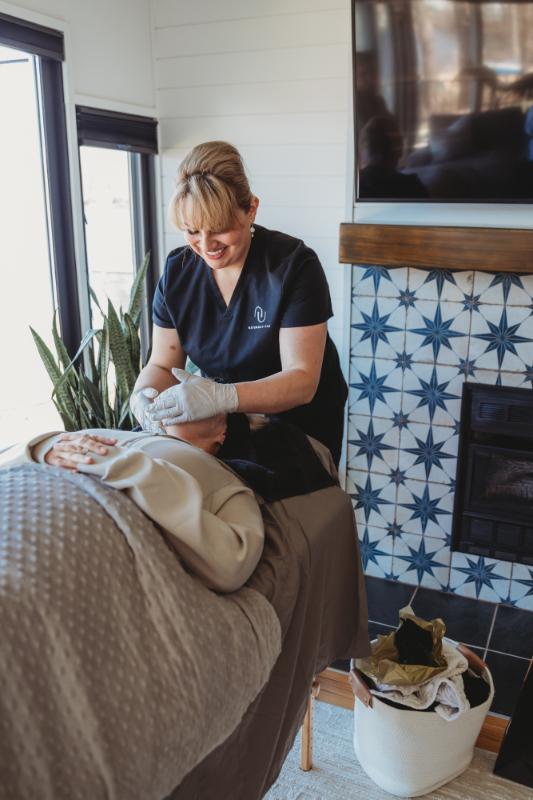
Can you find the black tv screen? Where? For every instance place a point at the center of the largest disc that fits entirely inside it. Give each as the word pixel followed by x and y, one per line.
pixel 443 93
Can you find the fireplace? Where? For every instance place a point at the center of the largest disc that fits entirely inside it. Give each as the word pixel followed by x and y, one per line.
pixel 493 511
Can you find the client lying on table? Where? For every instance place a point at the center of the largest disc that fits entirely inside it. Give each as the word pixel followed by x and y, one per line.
pixel 210 517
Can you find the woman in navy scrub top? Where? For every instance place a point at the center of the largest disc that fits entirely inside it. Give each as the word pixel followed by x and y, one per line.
pixel 249 306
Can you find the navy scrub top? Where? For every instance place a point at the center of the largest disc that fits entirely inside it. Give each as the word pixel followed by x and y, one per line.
pixel 281 285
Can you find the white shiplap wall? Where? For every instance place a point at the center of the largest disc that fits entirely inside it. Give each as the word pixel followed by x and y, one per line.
pixel 273 78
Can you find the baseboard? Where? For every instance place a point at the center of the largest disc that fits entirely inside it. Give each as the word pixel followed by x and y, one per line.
pixel 335 689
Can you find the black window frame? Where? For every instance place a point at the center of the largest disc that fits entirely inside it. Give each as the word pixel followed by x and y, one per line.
pixel 136 135
pixel 47 44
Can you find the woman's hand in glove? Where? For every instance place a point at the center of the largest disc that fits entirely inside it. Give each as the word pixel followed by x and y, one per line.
pixel 193 398
pixel 140 403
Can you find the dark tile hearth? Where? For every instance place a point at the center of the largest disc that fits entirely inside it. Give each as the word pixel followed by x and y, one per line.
pixel 469 621
pixel 500 634
pixel 385 598
pixel 376 629
pixel 513 632
pixel 508 673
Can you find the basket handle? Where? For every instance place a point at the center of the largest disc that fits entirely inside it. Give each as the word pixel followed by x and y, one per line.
pixel 474 661
pixel 359 688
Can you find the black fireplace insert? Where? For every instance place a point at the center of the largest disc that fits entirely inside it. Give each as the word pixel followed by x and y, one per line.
pixel 493 510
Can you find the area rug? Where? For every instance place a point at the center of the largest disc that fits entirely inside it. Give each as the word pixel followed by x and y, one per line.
pixel 336 774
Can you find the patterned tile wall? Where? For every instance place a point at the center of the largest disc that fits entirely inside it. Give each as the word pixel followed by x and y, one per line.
pixel 416 336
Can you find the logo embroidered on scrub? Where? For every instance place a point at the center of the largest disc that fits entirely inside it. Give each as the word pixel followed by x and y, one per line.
pixel 260 316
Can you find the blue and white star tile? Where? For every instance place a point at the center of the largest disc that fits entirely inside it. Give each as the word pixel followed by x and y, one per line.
pixel 373 444
pixel 503 288
pixel 373 498
pixel 527 285
pixel 521 589
pixel 394 530
pixel 432 394
pixel 466 368
pixel 429 452
pixel 501 338
pixel 377 327
pixel 425 508
pixel 528 374
pixel 376 551
pixel 437 332
pixel 421 560
pixel 471 302
pixel 440 284
pixel 378 281
pixel 480 577
pixel 407 298
pixel 375 387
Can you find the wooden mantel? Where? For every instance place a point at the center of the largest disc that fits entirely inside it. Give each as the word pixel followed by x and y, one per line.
pixel 437 247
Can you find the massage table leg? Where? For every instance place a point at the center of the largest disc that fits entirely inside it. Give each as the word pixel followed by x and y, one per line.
pixel 306 749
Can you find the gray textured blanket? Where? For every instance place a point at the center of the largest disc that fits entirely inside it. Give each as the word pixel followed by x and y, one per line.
pixel 119 672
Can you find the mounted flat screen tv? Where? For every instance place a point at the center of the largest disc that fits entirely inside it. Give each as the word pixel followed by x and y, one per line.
pixel 443 93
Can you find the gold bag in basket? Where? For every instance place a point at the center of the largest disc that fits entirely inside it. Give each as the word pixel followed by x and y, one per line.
pixel 383 665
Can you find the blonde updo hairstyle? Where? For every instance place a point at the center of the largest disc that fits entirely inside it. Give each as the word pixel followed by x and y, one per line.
pixel 211 186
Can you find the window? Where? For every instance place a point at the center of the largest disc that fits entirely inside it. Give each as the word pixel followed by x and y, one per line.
pixel 108 225
pixel 35 216
pixel 117 172
pixel 39 269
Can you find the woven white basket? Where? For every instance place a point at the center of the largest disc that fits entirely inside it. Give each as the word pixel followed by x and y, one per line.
pixel 409 753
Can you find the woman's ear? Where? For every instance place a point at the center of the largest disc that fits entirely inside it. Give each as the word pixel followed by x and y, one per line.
pixel 254 205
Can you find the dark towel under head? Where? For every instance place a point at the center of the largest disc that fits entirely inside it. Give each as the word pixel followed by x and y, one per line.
pixel 277 460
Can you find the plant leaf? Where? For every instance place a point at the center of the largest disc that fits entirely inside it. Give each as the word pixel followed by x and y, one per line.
pixel 95 299
pixel 104 358
pixel 134 342
pixel 66 405
pixel 93 401
pixel 125 414
pixel 46 357
pixel 62 353
pixel 124 374
pixel 137 290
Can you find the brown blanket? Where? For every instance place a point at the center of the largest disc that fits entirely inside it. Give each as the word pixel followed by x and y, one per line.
pixel 311 573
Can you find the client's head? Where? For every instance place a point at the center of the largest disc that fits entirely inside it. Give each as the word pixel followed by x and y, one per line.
pixel 207 434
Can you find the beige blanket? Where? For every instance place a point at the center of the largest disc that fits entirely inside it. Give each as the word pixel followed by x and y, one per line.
pixel 113 659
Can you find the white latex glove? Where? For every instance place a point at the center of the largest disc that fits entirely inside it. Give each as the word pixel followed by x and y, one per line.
pixel 193 398
pixel 140 402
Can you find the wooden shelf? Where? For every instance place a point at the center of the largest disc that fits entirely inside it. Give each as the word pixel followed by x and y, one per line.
pixel 437 247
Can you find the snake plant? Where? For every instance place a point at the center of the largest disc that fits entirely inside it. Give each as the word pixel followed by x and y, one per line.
pixel 94 391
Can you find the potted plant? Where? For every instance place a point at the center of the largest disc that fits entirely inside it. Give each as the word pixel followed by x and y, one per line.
pixel 92 390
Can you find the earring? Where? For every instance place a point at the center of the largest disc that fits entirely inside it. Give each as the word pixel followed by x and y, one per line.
pixel 252 231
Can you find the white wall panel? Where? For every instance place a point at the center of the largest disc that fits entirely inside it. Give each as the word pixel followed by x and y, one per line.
pixel 295 128
pixel 296 63
pixel 269 97
pixel 183 12
pixel 265 33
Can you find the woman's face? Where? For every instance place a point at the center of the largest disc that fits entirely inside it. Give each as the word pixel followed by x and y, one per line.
pixel 207 434
pixel 227 248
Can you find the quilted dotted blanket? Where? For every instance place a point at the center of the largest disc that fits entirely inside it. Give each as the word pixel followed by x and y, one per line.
pixel 119 671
